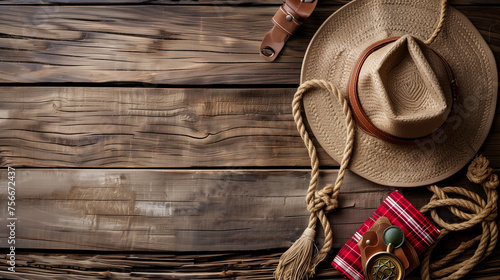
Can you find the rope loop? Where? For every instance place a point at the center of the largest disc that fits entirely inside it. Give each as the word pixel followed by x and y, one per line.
pixel 321 201
pixel 326 198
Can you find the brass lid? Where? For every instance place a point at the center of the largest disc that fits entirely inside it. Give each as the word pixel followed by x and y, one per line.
pixel 384 266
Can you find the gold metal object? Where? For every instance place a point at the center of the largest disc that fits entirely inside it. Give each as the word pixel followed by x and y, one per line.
pixel 384 266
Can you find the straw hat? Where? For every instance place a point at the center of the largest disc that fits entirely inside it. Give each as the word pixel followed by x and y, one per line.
pixel 422 109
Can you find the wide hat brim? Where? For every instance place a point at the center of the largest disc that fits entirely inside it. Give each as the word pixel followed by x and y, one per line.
pixel 332 54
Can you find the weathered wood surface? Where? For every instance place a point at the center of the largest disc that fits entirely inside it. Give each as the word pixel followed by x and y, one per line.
pixel 145 127
pixel 140 127
pixel 228 265
pixel 115 211
pixel 176 45
pixel 129 217
pixel 250 265
pixel 148 210
pixel 205 2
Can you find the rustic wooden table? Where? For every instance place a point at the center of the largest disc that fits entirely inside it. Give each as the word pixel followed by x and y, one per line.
pixel 150 140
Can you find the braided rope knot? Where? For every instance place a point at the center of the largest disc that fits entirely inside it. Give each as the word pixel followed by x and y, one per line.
pixel 323 200
pixel 479 170
pixel 492 182
pixel 491 216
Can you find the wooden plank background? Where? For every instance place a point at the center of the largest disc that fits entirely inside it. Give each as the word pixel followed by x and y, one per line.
pixel 172 44
pixel 148 127
pixel 151 141
pixel 206 2
pixel 181 210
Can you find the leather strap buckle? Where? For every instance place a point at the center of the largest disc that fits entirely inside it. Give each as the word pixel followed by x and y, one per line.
pixel 287 20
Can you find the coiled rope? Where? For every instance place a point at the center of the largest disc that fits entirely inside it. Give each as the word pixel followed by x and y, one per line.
pixel 472 210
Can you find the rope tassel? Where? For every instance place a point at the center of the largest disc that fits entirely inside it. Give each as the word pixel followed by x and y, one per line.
pixel 296 261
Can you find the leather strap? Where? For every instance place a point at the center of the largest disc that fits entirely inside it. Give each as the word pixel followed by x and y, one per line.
pixel 362 119
pixel 287 20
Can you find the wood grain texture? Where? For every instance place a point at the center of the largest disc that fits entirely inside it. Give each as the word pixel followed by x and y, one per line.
pixel 175 45
pixel 204 2
pixel 160 210
pixel 159 224
pixel 148 127
pixel 230 265
pixel 167 223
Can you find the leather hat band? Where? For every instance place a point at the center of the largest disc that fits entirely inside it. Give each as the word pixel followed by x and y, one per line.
pixel 362 119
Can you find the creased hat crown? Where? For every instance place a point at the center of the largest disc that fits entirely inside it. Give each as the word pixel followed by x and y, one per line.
pixel 404 89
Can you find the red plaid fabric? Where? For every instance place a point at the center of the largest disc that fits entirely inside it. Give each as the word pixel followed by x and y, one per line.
pixel 419 231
